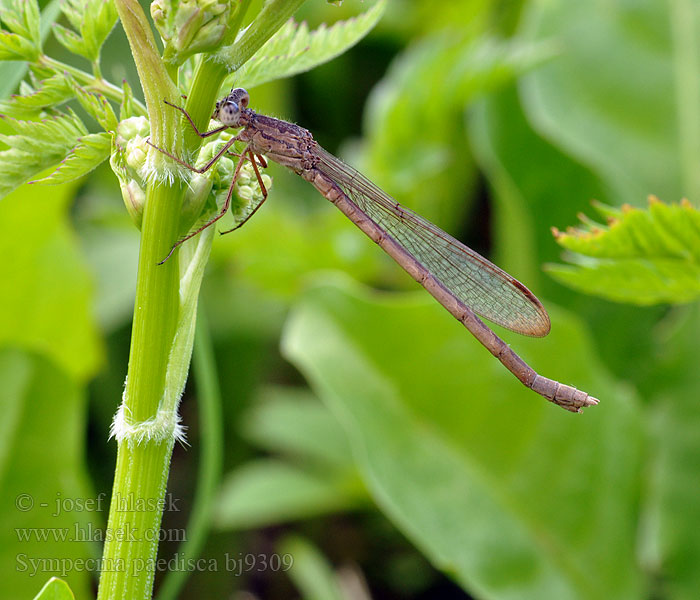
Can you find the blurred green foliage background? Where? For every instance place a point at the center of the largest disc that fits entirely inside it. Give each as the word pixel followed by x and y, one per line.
pixel 364 430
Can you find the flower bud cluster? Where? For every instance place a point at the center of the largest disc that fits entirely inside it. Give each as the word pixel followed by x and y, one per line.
pixel 128 157
pixel 205 191
pixel 190 26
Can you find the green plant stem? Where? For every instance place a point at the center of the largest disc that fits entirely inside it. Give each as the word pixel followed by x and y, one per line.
pixel 128 564
pixel 207 80
pixel 143 460
pixel 155 80
pixel 209 474
pixel 273 14
pixel 237 21
pixel 164 315
pixel 142 466
pixel 157 305
pixel 104 87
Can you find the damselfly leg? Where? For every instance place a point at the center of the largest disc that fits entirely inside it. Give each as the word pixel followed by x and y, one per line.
pixel 246 154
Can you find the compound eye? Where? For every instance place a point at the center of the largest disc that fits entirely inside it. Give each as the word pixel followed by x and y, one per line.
pixel 240 96
pixel 229 113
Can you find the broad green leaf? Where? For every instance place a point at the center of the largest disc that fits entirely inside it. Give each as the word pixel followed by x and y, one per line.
pixel 311 572
pixel 622 95
pixel 414 123
pixel 269 492
pixel 640 256
pixel 674 514
pixel 511 496
pixel 297 424
pixel 55 589
pixel 294 49
pixel 92 150
pixel 318 477
pixel 536 186
pixel 532 191
pixel 35 146
pixel 415 148
pixel 42 476
pixel 669 544
pixel 46 299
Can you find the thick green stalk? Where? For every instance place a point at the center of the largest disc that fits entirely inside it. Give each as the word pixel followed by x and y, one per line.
pixel 128 562
pixel 145 441
pixel 272 16
pixel 146 425
pixel 143 458
pixel 205 91
pixel 157 303
pixel 210 459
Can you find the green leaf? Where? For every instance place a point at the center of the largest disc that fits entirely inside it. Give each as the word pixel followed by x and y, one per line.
pixel 70 40
pixel 126 109
pixel 35 146
pixel 41 462
pixel 51 92
pixel 488 481
pixel 55 589
pixel 268 21
pixel 318 477
pixel 294 49
pixel 640 257
pixel 91 151
pixel 315 437
pixel 531 190
pixel 534 190
pixel 14 47
pixel 46 304
pixel 97 106
pixel 281 231
pixel 12 73
pixel 22 18
pixel 268 492
pixel 94 19
pixel 669 544
pixel 416 147
pixel 622 95
pixel 312 572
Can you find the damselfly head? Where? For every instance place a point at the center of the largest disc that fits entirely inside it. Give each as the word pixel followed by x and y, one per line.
pixel 228 109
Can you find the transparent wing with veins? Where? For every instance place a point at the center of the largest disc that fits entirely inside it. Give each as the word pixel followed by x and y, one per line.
pixel 468 276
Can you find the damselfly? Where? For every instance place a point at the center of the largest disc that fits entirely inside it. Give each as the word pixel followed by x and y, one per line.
pixel 461 280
